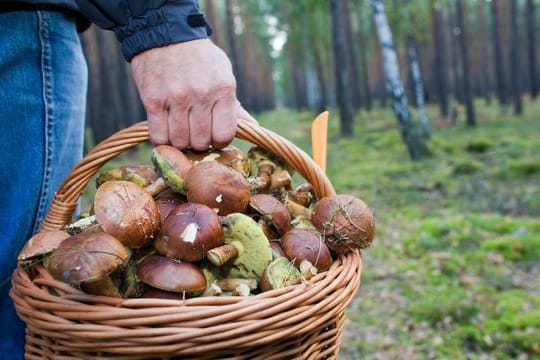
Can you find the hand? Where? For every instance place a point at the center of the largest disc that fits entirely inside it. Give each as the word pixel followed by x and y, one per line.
pixel 189 93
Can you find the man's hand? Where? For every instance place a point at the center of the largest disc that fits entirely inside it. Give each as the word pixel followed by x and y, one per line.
pixel 189 93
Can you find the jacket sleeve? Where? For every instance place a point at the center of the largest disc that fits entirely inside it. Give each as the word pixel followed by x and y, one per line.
pixel 140 25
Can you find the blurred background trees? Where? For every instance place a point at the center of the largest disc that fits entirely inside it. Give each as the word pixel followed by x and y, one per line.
pixel 315 55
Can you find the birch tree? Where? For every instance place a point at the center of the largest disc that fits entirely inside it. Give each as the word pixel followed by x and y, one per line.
pixel 415 142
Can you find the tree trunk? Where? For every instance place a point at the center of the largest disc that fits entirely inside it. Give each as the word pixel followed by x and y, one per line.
pixel 465 64
pixel 514 59
pixel 531 35
pixel 363 49
pixel 237 63
pixel 319 69
pixel 213 19
pixel 415 142
pixel 355 81
pixel 497 54
pixel 342 69
pixel 440 62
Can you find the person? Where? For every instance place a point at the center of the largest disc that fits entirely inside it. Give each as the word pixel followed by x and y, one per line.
pixel 185 82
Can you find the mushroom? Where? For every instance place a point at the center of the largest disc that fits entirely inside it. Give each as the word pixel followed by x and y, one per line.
pixel 346 222
pixel 166 201
pixel 302 244
pixel 126 211
pixel 280 273
pixel 217 186
pixel 272 211
pixel 86 257
pixel 172 165
pixel 171 275
pixel 189 232
pixel 263 165
pixel 303 194
pixel 246 251
pixel 41 244
pixel 142 175
pixel 229 156
pixel 277 250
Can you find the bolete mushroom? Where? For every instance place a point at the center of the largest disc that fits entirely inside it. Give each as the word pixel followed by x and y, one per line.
pixel 142 175
pixel 272 211
pixel 86 257
pixel 246 252
pixel 229 156
pixel 280 273
pixel 217 186
pixel 166 201
pixel 189 231
pixel 171 275
pixel 346 222
pixel 303 244
pixel 126 211
pixel 172 165
pixel 41 244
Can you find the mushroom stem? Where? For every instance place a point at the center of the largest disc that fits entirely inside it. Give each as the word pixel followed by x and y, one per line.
pixel 264 175
pixel 307 269
pixel 296 209
pixel 156 187
pixel 232 284
pixel 241 290
pixel 212 290
pixel 222 254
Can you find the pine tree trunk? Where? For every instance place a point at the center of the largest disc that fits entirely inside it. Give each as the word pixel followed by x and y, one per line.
pixel 213 19
pixel 351 45
pixel 514 59
pixel 234 51
pixel 497 54
pixel 440 62
pixel 456 71
pixel 465 64
pixel 363 48
pixel 342 70
pixel 531 35
pixel 415 142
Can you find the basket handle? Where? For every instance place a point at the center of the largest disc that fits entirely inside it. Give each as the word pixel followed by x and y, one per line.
pixel 65 199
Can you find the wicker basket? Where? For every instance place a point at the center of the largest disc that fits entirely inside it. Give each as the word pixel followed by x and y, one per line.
pixel 298 322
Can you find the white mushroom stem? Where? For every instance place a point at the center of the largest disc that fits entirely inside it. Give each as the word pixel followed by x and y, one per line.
pixel 241 290
pixel 232 284
pixel 212 290
pixel 222 254
pixel 156 187
pixel 307 269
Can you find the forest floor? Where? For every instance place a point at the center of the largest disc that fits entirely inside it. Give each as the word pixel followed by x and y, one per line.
pixel 454 269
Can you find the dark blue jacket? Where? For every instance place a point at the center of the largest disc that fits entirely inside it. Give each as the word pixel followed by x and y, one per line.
pixel 138 24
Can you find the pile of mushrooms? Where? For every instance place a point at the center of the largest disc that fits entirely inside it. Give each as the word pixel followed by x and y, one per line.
pixel 218 223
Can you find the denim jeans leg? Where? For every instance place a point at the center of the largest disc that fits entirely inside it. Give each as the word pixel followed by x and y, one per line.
pixel 43 81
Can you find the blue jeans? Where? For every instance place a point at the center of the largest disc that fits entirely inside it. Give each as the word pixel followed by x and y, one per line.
pixel 43 82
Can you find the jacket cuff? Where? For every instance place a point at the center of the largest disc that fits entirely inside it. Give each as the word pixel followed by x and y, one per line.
pixel 170 24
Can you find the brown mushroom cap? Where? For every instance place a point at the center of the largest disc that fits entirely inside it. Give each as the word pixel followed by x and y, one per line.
pixel 272 210
pixel 303 244
pixel 85 257
pixel 218 187
pixel 42 243
pixel 189 232
pixel 167 201
pixel 126 211
pixel 229 156
pixel 171 275
pixel 346 222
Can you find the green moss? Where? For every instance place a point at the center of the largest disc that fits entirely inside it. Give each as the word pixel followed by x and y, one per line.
pixel 479 146
pixel 524 167
pixel 467 167
pixel 524 247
